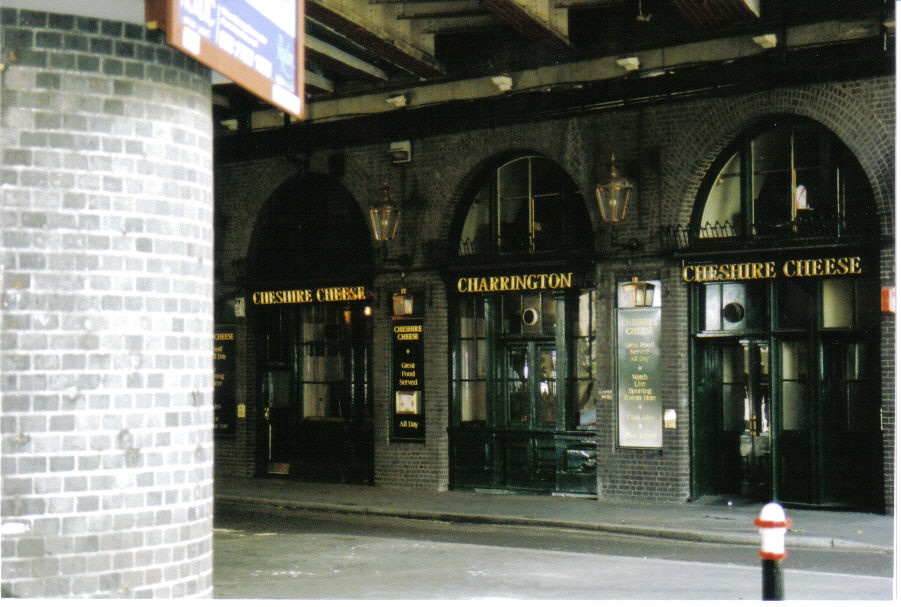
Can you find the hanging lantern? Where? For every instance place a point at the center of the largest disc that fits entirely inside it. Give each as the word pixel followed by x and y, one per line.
pixel 613 195
pixel 385 217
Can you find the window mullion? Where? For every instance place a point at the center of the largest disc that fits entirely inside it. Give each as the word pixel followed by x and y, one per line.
pixel 497 210
pixel 794 180
pixel 747 188
pixel 531 196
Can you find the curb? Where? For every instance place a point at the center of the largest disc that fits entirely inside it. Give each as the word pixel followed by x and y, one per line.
pixel 750 538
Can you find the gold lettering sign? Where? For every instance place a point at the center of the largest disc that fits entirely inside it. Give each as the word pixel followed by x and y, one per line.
pixel 302 296
pixel 407 332
pixel 764 270
pixel 520 282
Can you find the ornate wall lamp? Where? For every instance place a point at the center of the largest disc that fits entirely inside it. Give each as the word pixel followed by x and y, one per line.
pixel 402 301
pixel 613 195
pixel 638 293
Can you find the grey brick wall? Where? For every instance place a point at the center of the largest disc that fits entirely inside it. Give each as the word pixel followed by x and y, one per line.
pixel 887 361
pixel 667 148
pixel 107 290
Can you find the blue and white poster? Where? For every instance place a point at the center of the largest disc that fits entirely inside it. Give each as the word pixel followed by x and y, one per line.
pixel 258 35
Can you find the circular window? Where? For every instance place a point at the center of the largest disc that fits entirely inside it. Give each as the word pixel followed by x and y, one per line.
pixel 530 317
pixel 733 312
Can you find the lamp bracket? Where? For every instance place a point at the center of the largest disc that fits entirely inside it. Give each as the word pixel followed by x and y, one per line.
pixel 632 244
pixel 401 260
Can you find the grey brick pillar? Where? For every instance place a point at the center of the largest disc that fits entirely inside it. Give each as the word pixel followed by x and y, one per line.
pixel 107 273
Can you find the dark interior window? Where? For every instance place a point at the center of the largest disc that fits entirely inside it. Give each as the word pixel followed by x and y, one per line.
pixel 522 207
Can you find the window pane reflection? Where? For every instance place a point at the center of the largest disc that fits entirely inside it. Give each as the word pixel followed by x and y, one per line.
pixel 794 386
pixel 723 206
pixel 838 303
pixel 547 386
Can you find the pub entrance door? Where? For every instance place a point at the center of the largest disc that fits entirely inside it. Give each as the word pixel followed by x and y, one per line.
pixel 317 403
pixel 310 317
pixel 524 408
pixel 528 459
pixel 735 410
pixel 788 417
pixel 281 413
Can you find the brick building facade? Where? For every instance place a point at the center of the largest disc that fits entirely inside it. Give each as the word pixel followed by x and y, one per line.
pixel 113 307
pixel 667 148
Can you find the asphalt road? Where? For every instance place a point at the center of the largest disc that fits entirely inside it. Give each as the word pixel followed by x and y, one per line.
pixel 278 554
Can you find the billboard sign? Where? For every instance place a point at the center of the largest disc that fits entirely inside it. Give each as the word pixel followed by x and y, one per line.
pixel 256 43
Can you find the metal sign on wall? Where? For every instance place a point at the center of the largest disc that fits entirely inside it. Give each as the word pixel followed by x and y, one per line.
pixel 257 43
pixel 640 412
pixel 407 362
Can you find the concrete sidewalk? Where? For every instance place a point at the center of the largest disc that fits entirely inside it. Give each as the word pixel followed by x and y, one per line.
pixel 705 520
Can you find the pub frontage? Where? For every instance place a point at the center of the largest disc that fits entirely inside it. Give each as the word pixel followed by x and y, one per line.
pixel 667 301
pixel 613 250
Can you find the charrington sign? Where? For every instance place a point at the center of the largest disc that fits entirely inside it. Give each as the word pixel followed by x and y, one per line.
pixel 517 282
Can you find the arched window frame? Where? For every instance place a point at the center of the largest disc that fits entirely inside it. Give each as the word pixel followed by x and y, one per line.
pixel 524 207
pixel 824 201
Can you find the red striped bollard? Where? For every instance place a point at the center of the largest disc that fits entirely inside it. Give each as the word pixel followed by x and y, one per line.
pixel 772 524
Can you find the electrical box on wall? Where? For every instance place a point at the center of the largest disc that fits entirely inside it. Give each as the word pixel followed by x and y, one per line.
pixel 399 152
pixel 888 300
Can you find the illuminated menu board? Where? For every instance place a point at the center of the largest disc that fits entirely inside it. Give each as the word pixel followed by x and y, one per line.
pixel 256 43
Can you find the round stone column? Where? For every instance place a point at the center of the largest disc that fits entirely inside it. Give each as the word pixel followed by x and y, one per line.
pixel 107 314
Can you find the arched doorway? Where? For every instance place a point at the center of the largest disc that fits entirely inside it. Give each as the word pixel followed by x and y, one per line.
pixel 782 266
pixel 309 275
pixel 523 404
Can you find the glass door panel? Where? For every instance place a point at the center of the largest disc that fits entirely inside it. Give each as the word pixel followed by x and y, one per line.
pixel 850 459
pixel 718 417
pixel 519 406
pixel 279 406
pixel 795 447
pixel 547 384
pixel 529 444
pixel 755 445
pixel 531 385
pixel 733 429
